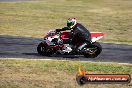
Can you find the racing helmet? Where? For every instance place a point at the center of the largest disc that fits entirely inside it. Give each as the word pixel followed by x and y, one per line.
pixel 71 22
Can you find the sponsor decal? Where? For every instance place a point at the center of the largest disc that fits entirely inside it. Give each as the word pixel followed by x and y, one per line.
pixel 83 78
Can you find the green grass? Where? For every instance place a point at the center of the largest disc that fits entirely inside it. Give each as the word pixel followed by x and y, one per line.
pixel 32 19
pixel 54 74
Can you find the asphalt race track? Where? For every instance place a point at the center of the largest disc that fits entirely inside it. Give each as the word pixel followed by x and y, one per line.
pixel 25 47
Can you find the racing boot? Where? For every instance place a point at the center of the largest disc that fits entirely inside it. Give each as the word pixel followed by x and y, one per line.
pixel 82 48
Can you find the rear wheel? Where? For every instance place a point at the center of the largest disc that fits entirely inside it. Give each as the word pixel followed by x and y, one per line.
pixel 44 50
pixel 93 51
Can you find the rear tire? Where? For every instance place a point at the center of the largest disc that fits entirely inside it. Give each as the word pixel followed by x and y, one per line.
pixel 96 53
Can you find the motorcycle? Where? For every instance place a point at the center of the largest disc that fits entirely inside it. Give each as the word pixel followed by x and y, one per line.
pixel 56 43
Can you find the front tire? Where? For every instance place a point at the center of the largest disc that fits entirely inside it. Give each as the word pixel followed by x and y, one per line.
pixel 43 50
pixel 96 52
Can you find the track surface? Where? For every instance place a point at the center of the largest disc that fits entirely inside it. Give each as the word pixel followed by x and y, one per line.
pixel 25 47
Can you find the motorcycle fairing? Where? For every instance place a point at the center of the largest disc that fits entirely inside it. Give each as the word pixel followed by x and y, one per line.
pixel 65 35
pixel 49 39
pixel 96 36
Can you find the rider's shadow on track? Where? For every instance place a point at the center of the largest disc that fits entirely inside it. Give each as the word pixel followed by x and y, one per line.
pixel 26 47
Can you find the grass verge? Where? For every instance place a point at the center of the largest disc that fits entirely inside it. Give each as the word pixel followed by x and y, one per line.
pixel 54 74
pixel 113 17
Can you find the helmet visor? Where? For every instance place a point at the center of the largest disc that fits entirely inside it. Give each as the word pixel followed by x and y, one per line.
pixel 69 24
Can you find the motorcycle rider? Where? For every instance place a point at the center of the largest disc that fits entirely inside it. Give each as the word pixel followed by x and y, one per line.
pixel 78 32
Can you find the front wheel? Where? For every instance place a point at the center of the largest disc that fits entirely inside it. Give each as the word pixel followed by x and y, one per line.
pixel 93 51
pixel 42 49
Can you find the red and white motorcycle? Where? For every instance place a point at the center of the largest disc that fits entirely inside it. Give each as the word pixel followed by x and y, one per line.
pixel 55 43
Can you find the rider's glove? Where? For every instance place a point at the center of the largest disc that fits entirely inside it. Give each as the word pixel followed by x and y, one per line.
pixel 57 30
